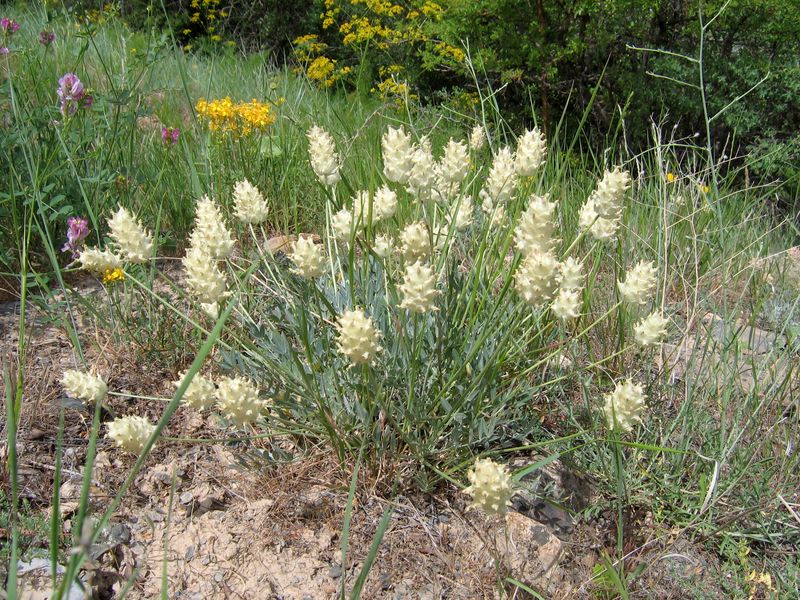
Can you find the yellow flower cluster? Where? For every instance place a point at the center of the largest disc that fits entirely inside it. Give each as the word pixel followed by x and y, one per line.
pixel 206 13
pixel 113 275
pixel 319 68
pixel 393 27
pixel 242 118
pixel 361 29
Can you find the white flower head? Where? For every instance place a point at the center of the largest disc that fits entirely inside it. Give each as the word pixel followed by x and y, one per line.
pixel 130 433
pixel 639 284
pixel 382 246
pixel 454 166
pixel 200 393
pixel 422 175
pixel 99 261
pixel 238 400
pixel 134 242
pixel 490 486
pixel 535 279
pixel 600 228
pixel 397 155
pixel 358 339
pixel 477 138
pixel 419 288
pixel 624 406
pixel 534 232
pixel 249 203
pixel 652 330
pixel 84 386
pixel 570 274
pixel 610 192
pixel 531 150
pixel 384 204
pixel 205 280
pixel 567 305
pixel 342 224
pixel 501 182
pixel 323 157
pixel 416 242
pixel 308 259
pixel 210 232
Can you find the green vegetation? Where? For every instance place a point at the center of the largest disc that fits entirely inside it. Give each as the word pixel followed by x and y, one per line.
pixel 490 369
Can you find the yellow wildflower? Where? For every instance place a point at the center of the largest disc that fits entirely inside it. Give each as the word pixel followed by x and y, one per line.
pixel 113 275
pixel 671 177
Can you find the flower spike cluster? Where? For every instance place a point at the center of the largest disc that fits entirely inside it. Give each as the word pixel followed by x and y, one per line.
pixel 238 400
pixel 624 406
pixel 490 486
pixel 419 288
pixel 84 386
pixel 602 212
pixel 134 242
pixel 358 338
pixel 323 157
pixel 131 433
pixel 308 259
pixel 249 203
pixel 639 284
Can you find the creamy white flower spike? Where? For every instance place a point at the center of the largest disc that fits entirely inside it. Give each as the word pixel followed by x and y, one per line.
pixel 249 204
pixel 624 406
pixel 357 337
pixel 531 151
pixel 200 393
pixel 477 138
pixel 384 204
pixel 205 280
pixel 130 433
pixel 567 304
pixel 422 175
pixel 342 224
pixel 490 486
pixel 397 155
pixel 308 258
pixel 651 330
pixel 416 243
pixel 210 232
pixel 535 279
pixel 99 261
pixel 536 227
pixel 610 193
pixel 419 288
pixel 84 386
pixel 639 284
pixel 602 212
pixel 135 244
pixel 601 229
pixel 238 400
pixel 382 246
pixel 570 274
pixel 323 157
pixel 501 182
pixel 454 166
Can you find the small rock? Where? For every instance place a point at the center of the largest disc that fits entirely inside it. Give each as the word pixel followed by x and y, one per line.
pixel 186 497
pixel 335 571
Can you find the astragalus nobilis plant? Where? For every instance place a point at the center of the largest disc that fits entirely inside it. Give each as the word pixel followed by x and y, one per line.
pixel 430 314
